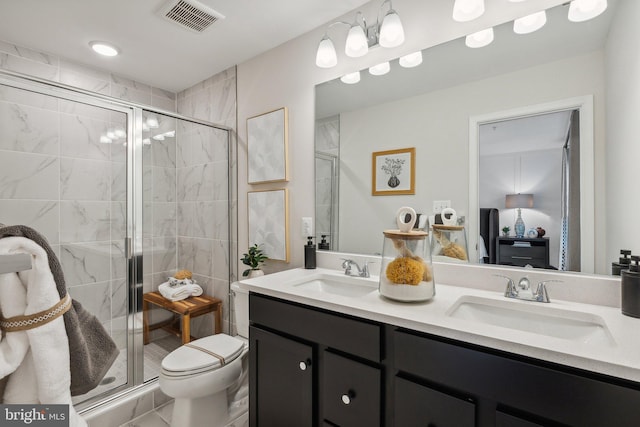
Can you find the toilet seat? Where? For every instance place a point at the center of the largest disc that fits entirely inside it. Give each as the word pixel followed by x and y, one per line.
pixel 202 355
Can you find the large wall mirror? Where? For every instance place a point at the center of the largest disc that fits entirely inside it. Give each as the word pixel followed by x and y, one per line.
pixel 471 113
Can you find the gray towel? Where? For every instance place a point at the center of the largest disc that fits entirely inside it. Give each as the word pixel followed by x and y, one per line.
pixel 91 349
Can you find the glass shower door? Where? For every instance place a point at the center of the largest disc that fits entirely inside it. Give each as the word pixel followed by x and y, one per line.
pixel 63 172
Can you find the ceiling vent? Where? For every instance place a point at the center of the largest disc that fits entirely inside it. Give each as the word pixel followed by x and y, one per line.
pixel 190 14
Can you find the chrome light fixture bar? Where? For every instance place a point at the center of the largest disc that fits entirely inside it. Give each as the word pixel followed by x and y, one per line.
pixel 387 32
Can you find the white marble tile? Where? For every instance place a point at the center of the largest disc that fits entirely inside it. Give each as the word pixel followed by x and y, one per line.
pixel 203 256
pixel 30 54
pixel 42 216
pixel 183 144
pixel 75 108
pixel 185 215
pixel 220 181
pixel 95 298
pixel 125 412
pixel 82 221
pixel 32 99
pixel 221 220
pixel 118 220
pixel 86 263
pixel 129 94
pixel 85 70
pixel 27 66
pixel 223 98
pixel 28 129
pixel 28 176
pixel 164 152
pixel 129 83
pixel 164 219
pixel 164 254
pixel 164 184
pixel 118 298
pixel 147 182
pixel 84 81
pixel 118 260
pixel 80 137
pixel 203 219
pixel 163 103
pixel 118 181
pixel 186 258
pixel 150 419
pixel 220 260
pixel 82 179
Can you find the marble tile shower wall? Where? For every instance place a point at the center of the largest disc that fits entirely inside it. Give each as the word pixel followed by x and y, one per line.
pixel 327 142
pixel 214 100
pixel 51 67
pixel 56 177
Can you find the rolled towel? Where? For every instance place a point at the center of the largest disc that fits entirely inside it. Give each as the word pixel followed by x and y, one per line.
pixel 181 290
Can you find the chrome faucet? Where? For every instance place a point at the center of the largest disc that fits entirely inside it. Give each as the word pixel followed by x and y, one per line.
pixel 347 264
pixel 514 291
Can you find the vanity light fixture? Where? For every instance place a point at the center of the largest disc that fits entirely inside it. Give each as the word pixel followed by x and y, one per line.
pixel 411 60
pixel 387 32
pixel 479 39
pixel 380 69
pixel 467 10
pixel 530 23
pixel 351 78
pixel 104 48
pixel 583 10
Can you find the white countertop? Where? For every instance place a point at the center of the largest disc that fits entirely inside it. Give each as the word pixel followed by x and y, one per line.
pixel 619 359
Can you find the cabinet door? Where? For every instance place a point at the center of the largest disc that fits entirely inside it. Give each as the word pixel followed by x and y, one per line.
pixel 419 406
pixel 281 389
pixel 351 395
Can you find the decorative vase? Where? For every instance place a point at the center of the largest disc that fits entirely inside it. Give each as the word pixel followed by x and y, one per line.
pixel 255 273
pixel 541 231
pixel 519 225
pixel 393 181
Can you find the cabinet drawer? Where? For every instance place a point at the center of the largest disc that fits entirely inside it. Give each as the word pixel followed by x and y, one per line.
pixel 419 406
pixel 351 394
pixel 517 252
pixel 506 420
pixel 357 337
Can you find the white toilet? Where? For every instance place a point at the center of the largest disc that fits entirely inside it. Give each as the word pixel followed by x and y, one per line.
pixel 198 374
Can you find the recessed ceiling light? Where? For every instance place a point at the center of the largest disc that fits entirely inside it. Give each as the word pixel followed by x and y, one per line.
pixel 104 48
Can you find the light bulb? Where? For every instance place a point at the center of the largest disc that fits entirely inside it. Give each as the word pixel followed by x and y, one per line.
pixel 326 56
pixel 351 78
pixel 104 139
pixel 583 10
pixel 530 23
pixel 411 60
pixel 357 44
pixel 152 122
pixel 467 10
pixel 120 133
pixel 104 48
pixel 391 30
pixel 380 69
pixel 480 38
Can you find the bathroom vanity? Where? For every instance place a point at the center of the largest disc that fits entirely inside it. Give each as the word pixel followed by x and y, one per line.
pixel 322 358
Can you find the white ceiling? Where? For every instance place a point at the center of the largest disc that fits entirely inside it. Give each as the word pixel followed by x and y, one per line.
pixel 156 51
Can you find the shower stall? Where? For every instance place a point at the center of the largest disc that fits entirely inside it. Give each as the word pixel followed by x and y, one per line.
pixel 125 195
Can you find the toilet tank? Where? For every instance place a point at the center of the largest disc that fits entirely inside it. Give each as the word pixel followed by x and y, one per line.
pixel 241 309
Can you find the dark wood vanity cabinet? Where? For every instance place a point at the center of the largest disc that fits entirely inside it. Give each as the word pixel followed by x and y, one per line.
pixel 312 367
pixel 512 391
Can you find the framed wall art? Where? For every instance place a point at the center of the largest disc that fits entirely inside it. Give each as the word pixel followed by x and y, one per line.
pixel 267 147
pixel 268 213
pixel 393 172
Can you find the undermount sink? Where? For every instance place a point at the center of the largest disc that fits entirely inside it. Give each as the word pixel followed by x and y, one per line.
pixel 534 318
pixel 337 285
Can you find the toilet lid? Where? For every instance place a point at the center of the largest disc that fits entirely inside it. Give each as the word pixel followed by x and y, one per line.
pixel 204 354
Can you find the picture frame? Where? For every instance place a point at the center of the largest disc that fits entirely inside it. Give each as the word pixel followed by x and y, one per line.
pixel 393 172
pixel 268 217
pixel 267 147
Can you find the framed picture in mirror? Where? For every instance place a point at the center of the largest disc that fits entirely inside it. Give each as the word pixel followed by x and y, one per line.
pixel 267 147
pixel 393 172
pixel 268 215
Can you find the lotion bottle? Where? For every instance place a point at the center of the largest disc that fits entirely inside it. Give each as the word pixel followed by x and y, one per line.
pixel 309 254
pixel 630 283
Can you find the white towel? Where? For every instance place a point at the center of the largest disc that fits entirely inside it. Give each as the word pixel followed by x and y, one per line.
pixel 176 290
pixel 30 355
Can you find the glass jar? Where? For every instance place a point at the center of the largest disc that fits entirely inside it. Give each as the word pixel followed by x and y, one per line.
pixel 449 243
pixel 406 273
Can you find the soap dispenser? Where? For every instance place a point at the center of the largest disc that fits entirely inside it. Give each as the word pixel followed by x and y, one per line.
pixel 324 245
pixel 630 284
pixel 622 264
pixel 309 254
